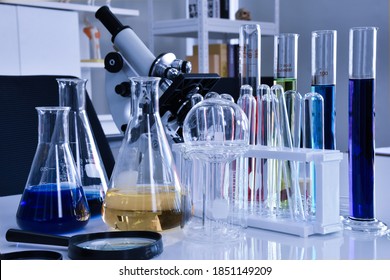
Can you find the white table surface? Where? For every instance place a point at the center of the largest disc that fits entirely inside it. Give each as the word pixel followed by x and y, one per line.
pixel 255 243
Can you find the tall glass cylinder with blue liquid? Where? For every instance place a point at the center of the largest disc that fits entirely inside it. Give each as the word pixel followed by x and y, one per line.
pixel 53 200
pixel 286 60
pixel 72 93
pixel 323 72
pixel 362 74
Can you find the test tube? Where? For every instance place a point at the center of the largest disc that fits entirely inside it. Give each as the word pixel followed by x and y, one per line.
pixel 290 194
pixel 248 104
pixel 313 134
pixel 286 60
pixel 362 74
pixel 323 72
pixel 270 138
pixel 294 111
pixel 249 58
pixel 314 121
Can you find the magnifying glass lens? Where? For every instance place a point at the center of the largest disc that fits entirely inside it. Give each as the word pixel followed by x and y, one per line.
pixel 115 244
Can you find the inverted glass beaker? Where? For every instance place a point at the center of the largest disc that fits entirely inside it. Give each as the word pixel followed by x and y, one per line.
pixel 144 190
pixel 215 133
pixel 72 93
pixel 53 199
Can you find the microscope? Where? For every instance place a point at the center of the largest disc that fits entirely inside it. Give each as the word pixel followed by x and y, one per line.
pixel 132 58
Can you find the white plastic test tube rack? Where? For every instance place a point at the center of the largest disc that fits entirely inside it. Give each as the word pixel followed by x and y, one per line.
pixel 327 181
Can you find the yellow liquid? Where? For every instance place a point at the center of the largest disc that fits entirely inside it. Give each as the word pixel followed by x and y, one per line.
pixel 142 210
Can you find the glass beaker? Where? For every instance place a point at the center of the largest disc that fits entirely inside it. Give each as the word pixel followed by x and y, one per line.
pixel 72 93
pixel 53 200
pixel 144 190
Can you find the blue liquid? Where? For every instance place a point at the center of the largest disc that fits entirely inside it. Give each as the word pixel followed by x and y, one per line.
pixel 95 204
pixel 44 209
pixel 361 147
pixel 328 93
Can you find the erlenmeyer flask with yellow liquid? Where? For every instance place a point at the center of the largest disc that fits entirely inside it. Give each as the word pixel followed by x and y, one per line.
pixel 144 190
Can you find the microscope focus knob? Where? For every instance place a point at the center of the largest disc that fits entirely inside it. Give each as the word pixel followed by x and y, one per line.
pixel 113 62
pixel 123 89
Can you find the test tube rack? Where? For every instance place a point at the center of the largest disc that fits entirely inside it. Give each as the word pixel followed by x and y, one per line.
pixel 327 180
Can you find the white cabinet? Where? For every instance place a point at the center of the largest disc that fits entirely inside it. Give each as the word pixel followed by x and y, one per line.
pixel 204 28
pixel 38 41
pixel 48 42
pixel 9 46
pixel 45 38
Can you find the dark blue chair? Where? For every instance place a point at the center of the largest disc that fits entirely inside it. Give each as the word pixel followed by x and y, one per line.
pixel 19 95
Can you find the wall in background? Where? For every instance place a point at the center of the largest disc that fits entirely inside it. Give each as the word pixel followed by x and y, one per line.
pixel 303 17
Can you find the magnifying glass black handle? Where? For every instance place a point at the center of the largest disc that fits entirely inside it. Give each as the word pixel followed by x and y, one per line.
pixel 16 235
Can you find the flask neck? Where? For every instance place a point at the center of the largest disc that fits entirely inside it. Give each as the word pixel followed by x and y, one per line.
pixel 145 97
pixel 53 125
pixel 72 93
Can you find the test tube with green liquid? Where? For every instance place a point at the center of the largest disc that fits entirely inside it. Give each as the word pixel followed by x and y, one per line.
pixel 286 60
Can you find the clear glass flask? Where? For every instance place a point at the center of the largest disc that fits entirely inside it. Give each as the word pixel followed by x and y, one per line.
pixel 362 74
pixel 286 60
pixel 72 93
pixel 144 192
pixel 53 200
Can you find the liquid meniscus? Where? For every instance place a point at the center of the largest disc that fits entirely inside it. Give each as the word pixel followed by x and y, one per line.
pixel 142 210
pixel 44 208
pixel 286 83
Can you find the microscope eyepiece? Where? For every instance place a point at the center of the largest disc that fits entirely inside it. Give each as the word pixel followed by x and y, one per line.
pixel 110 21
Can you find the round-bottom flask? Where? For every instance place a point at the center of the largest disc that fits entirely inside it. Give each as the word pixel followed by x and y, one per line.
pixel 53 200
pixel 144 191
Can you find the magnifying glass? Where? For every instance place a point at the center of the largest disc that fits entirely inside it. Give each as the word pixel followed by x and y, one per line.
pixel 116 245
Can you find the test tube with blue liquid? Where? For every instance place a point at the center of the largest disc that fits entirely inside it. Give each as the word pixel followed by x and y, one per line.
pixel 323 69
pixel 361 144
pixel 313 134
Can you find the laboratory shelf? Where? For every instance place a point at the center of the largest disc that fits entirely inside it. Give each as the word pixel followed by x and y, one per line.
pixel 72 7
pixel 217 28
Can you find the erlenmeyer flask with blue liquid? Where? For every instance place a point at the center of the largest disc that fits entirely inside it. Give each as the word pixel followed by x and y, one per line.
pixel 53 200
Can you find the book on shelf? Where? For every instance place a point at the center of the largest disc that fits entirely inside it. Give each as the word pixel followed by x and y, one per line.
pixel 213 63
pixel 233 59
pixel 213 8
pixel 223 59
pixel 220 50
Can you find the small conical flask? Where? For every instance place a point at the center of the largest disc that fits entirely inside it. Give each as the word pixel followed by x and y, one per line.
pixel 72 93
pixel 144 190
pixel 53 200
